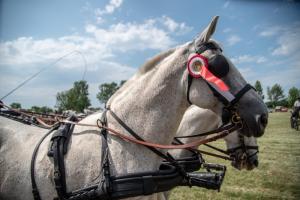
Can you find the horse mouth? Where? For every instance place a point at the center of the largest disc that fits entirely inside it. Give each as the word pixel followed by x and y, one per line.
pixel 244 161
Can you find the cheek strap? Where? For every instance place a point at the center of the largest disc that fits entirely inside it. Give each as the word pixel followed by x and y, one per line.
pixel 190 80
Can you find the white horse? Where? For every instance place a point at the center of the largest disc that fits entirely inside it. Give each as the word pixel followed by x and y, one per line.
pixel 152 103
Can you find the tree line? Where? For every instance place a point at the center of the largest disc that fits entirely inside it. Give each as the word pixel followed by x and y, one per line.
pixel 276 95
pixel 77 98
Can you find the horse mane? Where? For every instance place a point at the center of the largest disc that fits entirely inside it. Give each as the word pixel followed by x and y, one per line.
pixel 145 68
pixel 152 62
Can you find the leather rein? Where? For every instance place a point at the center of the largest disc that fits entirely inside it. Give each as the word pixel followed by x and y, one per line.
pixel 219 132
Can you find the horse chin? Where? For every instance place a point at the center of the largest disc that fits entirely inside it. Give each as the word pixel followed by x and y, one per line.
pixel 242 161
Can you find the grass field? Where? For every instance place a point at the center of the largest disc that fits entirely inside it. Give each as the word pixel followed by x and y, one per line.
pixel 278 173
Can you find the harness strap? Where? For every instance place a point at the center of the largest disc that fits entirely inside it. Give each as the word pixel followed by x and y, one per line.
pixel 190 80
pixel 35 191
pixel 104 185
pixel 57 149
pixel 220 129
pixel 199 152
pixel 231 150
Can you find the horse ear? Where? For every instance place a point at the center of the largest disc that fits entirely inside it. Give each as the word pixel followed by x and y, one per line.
pixel 208 32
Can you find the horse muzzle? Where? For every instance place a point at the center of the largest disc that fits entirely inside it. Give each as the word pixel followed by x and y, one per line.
pixel 244 160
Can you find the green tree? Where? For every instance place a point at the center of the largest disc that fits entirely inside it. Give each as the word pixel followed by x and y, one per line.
pixel 45 109
pixel 259 89
pixel 275 94
pixel 35 109
pixel 16 105
pixel 107 90
pixel 294 93
pixel 75 98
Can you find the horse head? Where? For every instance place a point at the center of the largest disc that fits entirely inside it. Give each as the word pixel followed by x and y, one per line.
pixel 210 70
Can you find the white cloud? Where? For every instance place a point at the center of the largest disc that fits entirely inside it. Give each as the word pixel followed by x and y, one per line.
pixel 287 78
pixel 101 47
pixel 287 38
pixel 248 59
pixel 132 36
pixel 289 43
pixel 173 26
pixel 271 31
pixel 28 51
pixel 226 4
pixel 108 9
pixel 233 39
pixel 227 30
pixel 99 44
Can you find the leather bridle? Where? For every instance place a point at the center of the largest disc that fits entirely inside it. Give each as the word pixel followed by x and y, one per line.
pixel 229 114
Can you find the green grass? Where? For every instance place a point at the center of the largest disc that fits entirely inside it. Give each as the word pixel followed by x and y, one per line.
pixel 278 173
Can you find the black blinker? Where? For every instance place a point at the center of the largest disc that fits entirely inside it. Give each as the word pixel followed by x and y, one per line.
pixel 219 66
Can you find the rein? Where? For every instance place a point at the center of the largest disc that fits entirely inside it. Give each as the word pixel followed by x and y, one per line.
pixel 221 133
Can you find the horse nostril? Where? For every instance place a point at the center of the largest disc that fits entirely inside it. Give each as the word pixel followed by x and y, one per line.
pixel 263 120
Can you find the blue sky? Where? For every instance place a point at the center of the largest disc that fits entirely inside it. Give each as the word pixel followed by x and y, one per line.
pixel 117 36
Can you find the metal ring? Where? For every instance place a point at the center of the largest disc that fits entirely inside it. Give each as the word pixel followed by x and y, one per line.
pixel 235 118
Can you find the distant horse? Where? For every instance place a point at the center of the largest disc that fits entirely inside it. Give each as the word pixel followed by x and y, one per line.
pixel 152 103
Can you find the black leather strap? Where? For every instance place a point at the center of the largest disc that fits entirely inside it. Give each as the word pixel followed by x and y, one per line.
pixel 190 80
pixel 241 93
pixel 221 128
pixel 35 191
pixel 57 150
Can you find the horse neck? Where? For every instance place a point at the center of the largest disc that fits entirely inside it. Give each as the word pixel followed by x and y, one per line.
pixel 195 120
pixel 153 106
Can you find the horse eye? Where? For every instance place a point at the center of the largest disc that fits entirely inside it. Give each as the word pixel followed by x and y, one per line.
pixel 218 65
